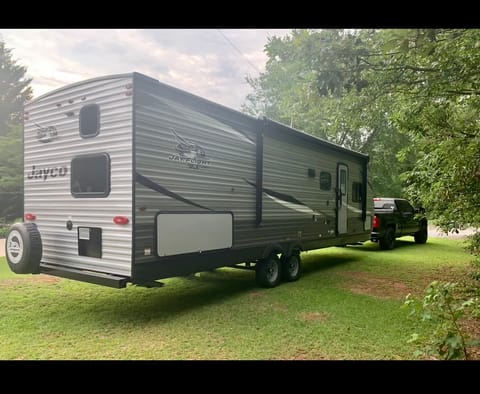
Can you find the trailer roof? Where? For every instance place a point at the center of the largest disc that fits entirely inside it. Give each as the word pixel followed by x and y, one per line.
pixel 287 129
pixel 71 85
pixel 317 140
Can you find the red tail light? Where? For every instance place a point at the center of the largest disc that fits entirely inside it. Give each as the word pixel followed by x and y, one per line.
pixel 30 216
pixel 376 221
pixel 120 220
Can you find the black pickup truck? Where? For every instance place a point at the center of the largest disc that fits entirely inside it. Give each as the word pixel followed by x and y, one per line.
pixel 394 218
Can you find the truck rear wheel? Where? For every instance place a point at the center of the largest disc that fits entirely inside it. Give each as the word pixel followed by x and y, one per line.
pixel 387 242
pixel 268 272
pixel 23 248
pixel 291 268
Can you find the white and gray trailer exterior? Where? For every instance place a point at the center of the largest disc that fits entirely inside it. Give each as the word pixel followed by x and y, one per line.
pixel 130 180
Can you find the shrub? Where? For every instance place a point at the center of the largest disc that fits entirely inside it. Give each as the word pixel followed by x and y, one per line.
pixel 442 307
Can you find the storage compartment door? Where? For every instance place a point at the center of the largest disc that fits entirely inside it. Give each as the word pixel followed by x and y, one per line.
pixel 193 232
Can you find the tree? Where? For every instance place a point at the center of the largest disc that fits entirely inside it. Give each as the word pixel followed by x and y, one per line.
pixel 435 74
pixel 318 81
pixel 14 91
pixel 410 98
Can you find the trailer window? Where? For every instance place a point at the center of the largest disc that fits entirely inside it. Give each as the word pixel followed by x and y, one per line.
pixel 89 121
pixel 356 192
pixel 325 180
pixel 90 176
pixel 343 181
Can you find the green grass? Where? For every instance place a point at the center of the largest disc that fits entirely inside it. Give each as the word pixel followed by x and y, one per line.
pixel 223 315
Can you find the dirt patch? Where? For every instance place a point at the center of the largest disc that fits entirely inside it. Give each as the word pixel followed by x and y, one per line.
pixel 256 294
pixel 377 286
pixel 306 355
pixel 314 316
pixel 443 274
pixel 2 247
pixel 385 287
pixel 33 279
pixel 472 327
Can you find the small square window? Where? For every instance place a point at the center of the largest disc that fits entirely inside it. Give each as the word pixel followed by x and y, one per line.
pixel 89 120
pixel 325 180
pixel 356 192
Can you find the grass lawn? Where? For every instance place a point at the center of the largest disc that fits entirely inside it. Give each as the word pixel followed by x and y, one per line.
pixel 345 306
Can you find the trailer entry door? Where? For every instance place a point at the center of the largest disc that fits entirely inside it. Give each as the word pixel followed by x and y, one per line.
pixel 342 198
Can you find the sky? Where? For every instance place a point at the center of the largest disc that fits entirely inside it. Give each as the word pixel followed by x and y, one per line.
pixel 211 63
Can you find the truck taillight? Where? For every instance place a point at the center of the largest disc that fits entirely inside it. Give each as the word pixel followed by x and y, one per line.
pixel 376 221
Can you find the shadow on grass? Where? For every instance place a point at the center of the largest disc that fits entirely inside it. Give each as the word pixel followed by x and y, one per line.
pixel 324 262
pixel 399 244
pixel 140 306
pixel 208 290
pixel 80 302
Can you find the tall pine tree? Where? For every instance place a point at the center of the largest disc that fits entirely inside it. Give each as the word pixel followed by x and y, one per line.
pixel 14 91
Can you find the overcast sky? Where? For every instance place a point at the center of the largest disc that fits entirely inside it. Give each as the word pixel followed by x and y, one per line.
pixel 201 61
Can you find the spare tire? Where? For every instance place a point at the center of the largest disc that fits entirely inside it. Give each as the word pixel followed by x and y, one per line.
pixel 23 248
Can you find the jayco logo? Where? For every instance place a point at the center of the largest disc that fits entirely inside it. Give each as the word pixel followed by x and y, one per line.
pixel 189 153
pixel 46 134
pixel 44 173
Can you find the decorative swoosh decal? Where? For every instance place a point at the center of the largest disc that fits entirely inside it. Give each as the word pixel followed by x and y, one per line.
pixel 296 207
pixel 288 201
pixel 353 209
pixel 158 188
pixel 187 113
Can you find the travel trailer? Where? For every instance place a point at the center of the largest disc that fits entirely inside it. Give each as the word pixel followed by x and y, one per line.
pixel 129 180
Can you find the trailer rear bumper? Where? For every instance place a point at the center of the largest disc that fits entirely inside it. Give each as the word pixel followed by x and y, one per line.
pixel 97 278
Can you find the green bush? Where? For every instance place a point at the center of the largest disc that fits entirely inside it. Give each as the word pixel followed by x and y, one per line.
pixel 3 230
pixel 443 308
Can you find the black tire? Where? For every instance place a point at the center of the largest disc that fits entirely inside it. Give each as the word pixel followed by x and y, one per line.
pixel 268 272
pixel 291 268
pixel 422 235
pixel 387 242
pixel 23 248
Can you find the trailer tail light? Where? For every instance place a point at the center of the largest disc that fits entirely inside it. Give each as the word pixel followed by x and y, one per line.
pixel 120 220
pixel 30 216
pixel 376 221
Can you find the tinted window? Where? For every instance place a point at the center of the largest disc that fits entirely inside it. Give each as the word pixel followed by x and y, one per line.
pixel 384 204
pixel 89 121
pixel 404 206
pixel 325 180
pixel 343 181
pixel 90 176
pixel 356 192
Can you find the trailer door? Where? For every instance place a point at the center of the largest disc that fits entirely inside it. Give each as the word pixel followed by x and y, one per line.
pixel 342 198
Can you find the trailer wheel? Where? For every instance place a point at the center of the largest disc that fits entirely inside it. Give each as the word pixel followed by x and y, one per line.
pixel 23 248
pixel 268 272
pixel 291 268
pixel 387 242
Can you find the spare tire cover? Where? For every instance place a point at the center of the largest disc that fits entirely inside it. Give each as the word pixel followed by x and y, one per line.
pixel 23 248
